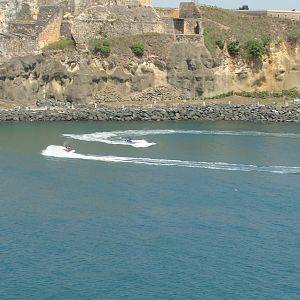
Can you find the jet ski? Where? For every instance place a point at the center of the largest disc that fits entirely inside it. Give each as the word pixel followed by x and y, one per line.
pixel 128 140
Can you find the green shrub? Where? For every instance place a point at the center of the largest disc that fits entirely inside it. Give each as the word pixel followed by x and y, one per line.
pixel 137 48
pixel 288 94
pixel 291 93
pixel 256 48
pixel 106 43
pixel 220 44
pixel 61 44
pixel 294 37
pixel 266 40
pixel 260 95
pixel 96 45
pixel 103 48
pixel 233 48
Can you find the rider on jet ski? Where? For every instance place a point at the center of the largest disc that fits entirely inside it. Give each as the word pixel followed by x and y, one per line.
pixel 68 148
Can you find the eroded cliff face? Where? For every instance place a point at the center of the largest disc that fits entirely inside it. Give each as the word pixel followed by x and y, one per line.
pixel 186 71
pixel 191 68
pixel 279 71
pixel 79 78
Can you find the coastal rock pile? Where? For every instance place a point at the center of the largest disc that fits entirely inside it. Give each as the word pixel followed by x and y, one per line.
pixel 158 94
pixel 251 113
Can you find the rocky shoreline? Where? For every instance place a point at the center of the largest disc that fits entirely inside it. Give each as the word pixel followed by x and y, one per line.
pixel 252 113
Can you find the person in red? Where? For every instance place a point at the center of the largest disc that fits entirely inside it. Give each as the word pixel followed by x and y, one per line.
pixel 68 148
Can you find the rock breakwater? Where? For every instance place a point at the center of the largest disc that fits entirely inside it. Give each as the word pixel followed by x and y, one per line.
pixel 252 113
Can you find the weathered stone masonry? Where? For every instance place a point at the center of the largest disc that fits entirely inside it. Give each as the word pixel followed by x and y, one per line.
pixel 30 27
pixel 47 21
pixel 49 25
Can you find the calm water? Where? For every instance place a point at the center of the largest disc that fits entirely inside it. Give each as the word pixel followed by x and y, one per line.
pixel 189 210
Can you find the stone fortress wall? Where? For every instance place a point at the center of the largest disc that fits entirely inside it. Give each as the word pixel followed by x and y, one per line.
pixel 185 20
pixel 49 25
pixel 26 26
pixel 99 22
pixel 281 14
pixel 13 45
pixel 31 25
pixel 21 9
pixel 167 12
pixel 110 21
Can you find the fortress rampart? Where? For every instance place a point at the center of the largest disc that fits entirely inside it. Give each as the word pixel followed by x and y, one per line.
pixel 12 45
pixel 167 12
pixel 26 26
pixel 281 14
pixel 33 27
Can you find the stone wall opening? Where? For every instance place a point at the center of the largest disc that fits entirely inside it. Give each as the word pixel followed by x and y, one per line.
pixel 197 28
pixel 179 26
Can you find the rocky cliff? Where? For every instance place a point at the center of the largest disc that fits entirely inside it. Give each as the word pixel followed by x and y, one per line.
pixel 182 70
pixel 176 65
pixel 280 70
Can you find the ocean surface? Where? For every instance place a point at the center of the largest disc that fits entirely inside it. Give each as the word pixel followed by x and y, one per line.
pixel 185 210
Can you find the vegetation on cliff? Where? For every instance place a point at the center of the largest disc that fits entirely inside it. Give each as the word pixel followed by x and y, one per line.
pixel 121 47
pixel 233 48
pixel 294 37
pixel 137 48
pixel 257 48
pixel 113 66
pixel 245 35
pixel 104 48
pixel 284 94
pixel 61 45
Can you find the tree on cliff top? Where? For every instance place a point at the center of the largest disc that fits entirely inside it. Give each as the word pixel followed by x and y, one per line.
pixel 256 48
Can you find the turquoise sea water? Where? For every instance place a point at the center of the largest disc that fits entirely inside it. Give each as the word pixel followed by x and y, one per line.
pixel 188 210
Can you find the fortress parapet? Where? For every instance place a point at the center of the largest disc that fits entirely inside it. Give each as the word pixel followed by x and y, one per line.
pixel 281 14
pixel 26 26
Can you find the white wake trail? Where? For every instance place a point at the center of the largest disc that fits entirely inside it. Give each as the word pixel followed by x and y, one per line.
pixel 117 137
pixel 59 152
pixel 112 138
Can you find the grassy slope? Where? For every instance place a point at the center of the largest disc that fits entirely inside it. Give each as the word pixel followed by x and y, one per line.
pixel 156 45
pixel 221 24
